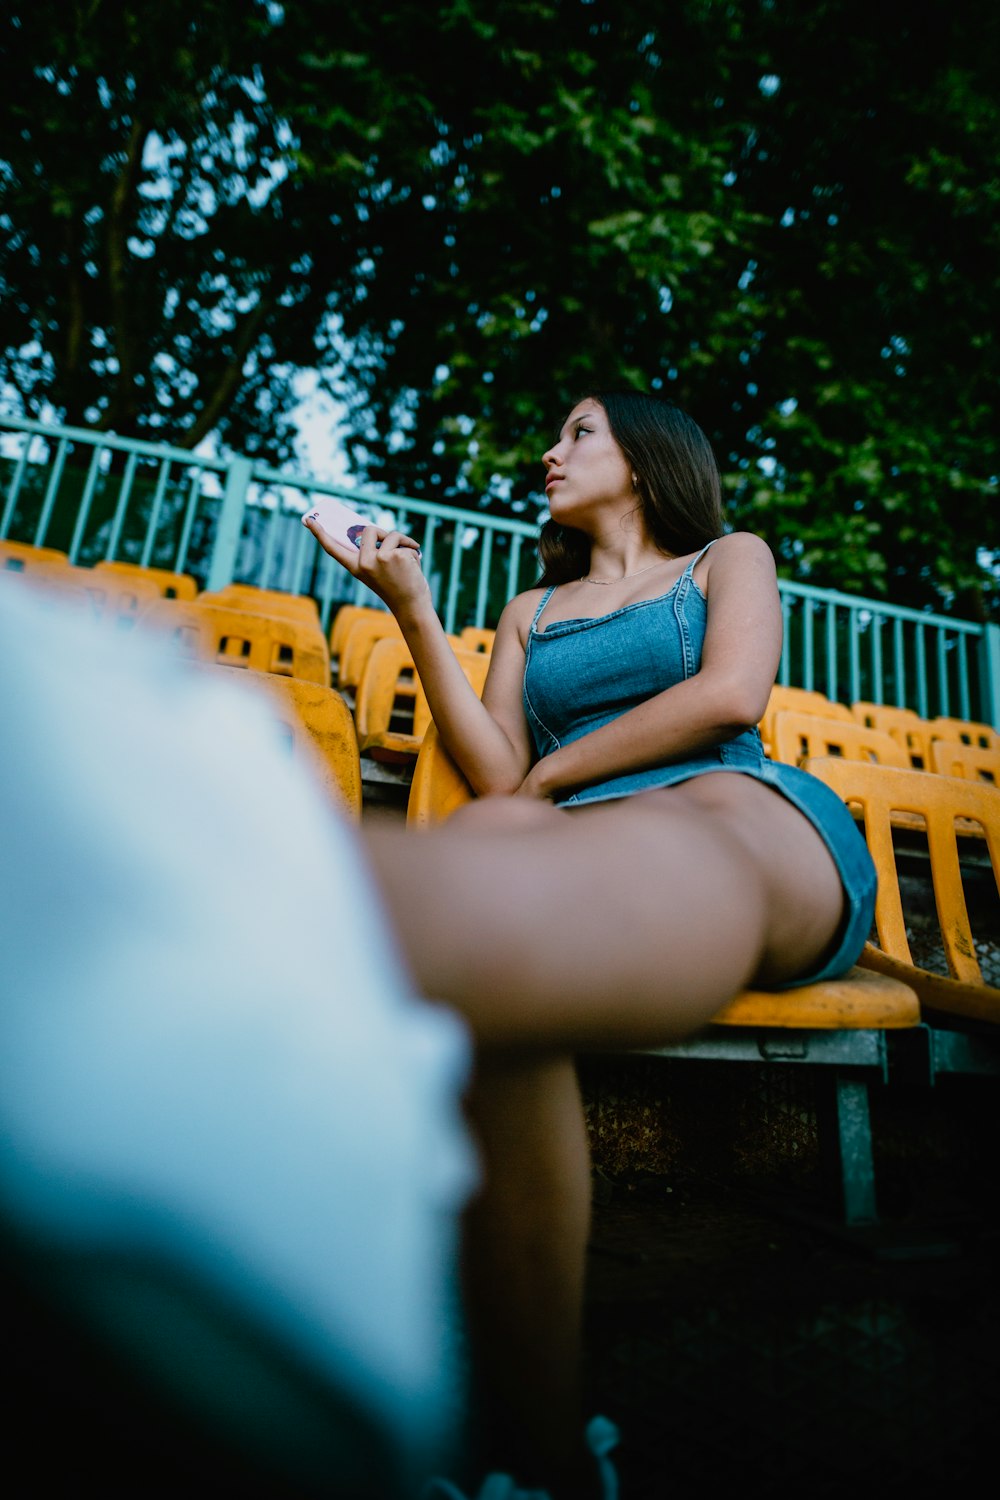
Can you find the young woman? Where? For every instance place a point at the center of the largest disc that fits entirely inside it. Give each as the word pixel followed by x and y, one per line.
pixel 630 863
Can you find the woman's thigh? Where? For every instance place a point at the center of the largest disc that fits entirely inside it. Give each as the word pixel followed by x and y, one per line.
pixel 617 924
pixel 790 862
pixel 503 815
pixel 796 871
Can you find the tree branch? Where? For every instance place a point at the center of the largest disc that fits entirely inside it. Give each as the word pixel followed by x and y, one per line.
pixel 123 403
pixel 229 380
pixel 74 298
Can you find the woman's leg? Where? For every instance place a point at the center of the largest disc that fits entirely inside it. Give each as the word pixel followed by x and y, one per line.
pixel 525 1252
pixel 554 932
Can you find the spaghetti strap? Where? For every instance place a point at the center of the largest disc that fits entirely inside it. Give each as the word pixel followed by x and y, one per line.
pixel 697 558
pixel 542 603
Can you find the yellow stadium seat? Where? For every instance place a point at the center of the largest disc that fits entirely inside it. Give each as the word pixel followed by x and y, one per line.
pixel 362 633
pixel 266 602
pixel 967 730
pixel 373 709
pixel 796 735
pixel 357 647
pixel 837 1025
pixel 806 700
pixel 240 638
pixel 344 618
pixel 18 557
pixel 116 599
pixel 850 1003
pixel 883 715
pixel 905 726
pixel 171 585
pixel 122 596
pixel 475 665
pixel 953 758
pixel 476 637
pixel 438 787
pixel 385 695
pixel 945 807
pixel 56 585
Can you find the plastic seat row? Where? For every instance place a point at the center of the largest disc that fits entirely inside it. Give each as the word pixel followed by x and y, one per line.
pixel 283 658
pixel 373 668
pixel 797 737
pixel 271 630
pixel 917 735
pixel 223 631
pixel 372 623
pixel 51 566
pixel 275 639
pixel 235 626
pixel 799 724
pixel 107 592
pixel 268 634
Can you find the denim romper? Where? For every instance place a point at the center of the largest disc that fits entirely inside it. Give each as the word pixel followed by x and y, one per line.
pixel 582 673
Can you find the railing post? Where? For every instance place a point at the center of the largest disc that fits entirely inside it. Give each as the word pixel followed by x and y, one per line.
pixel 989 674
pixel 229 527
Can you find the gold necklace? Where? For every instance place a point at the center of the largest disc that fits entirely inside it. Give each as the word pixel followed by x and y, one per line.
pixel 606 582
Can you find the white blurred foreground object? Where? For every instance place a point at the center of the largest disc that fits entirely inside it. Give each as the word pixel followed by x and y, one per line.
pixel 232 1134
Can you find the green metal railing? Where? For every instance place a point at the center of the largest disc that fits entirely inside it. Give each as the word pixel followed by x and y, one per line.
pixel 99 496
pixel 856 649
pixel 96 496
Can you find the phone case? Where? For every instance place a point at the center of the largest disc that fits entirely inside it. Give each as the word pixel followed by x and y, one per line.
pixel 338 520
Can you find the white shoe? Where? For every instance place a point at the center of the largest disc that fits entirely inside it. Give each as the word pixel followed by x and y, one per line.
pixel 494 1487
pixel 602 1436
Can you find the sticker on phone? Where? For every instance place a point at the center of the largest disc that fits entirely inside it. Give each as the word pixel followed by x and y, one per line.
pixel 338 520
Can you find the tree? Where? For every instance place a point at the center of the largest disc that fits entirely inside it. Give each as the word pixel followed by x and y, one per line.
pixel 743 206
pixel 785 218
pixel 873 167
pixel 152 280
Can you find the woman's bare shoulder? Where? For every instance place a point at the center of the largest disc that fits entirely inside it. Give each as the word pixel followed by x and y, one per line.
pixel 740 550
pixel 520 611
pixel 735 559
pixel 741 544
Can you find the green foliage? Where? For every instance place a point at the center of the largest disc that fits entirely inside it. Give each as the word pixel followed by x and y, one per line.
pixel 464 217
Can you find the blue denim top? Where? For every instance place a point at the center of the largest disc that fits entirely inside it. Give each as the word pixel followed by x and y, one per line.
pixel 582 673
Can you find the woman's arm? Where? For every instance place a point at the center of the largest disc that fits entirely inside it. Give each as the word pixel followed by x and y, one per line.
pixel 487 738
pixel 728 694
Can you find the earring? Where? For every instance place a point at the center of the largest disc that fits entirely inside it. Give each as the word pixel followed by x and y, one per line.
pixel 635 480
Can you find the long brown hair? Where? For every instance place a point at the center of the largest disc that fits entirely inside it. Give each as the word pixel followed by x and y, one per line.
pixel 677 483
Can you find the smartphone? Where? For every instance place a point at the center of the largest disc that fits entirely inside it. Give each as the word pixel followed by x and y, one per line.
pixel 338 520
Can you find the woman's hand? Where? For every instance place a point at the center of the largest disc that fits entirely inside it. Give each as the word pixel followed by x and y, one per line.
pixel 386 561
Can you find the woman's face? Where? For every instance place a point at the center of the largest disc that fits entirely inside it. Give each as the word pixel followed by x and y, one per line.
pixel 586 471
